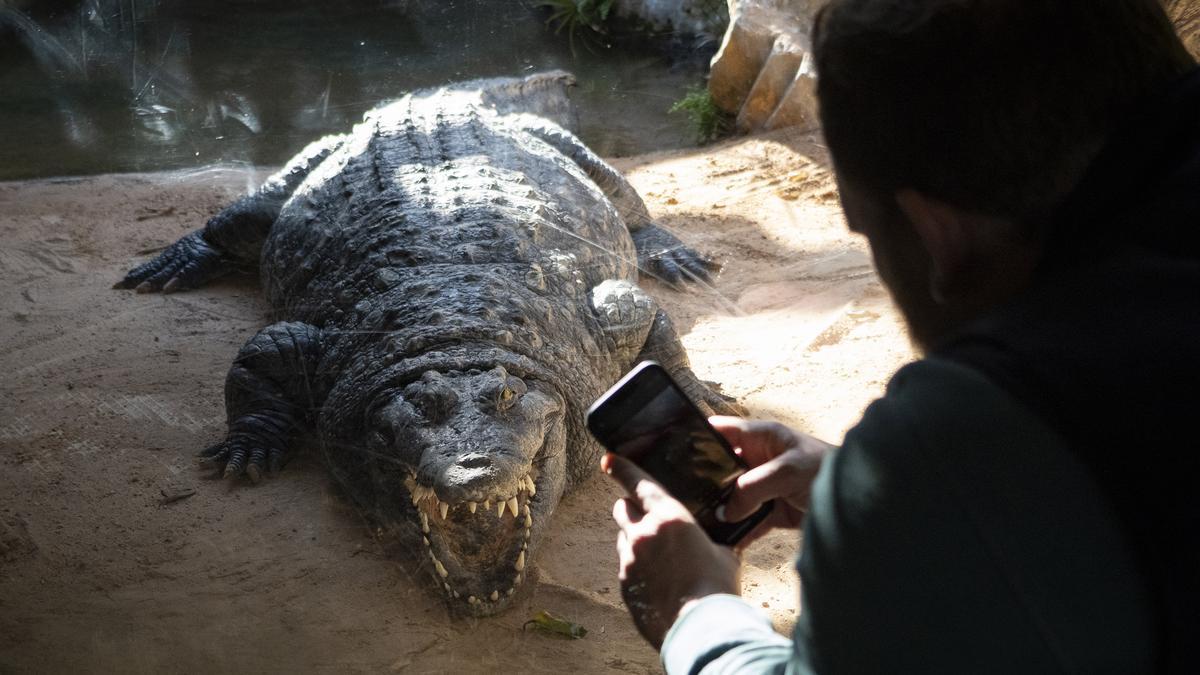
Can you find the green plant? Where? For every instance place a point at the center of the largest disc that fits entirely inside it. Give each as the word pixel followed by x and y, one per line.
pixel 577 17
pixel 707 120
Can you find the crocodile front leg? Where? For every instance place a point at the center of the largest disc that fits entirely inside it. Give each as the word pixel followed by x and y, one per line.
pixel 663 345
pixel 635 329
pixel 271 390
pixel 232 239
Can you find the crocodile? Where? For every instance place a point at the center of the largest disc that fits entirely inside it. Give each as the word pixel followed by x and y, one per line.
pixel 454 281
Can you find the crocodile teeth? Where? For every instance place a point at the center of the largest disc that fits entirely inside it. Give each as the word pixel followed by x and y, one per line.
pixel 426 540
pixel 424 523
pixel 512 506
pixel 510 590
pixel 471 507
pixel 528 520
pixel 495 596
pixel 472 599
pixel 441 569
pixel 530 486
pixel 520 564
pixel 487 504
pixel 444 508
pixel 500 510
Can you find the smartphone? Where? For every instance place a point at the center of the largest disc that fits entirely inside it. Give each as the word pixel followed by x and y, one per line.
pixel 647 418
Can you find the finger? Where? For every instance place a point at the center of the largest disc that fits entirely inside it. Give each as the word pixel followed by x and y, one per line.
pixel 747 438
pixel 626 513
pixel 759 441
pixel 624 555
pixel 643 490
pixel 761 484
pixel 732 428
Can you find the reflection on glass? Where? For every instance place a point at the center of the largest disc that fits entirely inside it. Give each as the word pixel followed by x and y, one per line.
pixel 136 85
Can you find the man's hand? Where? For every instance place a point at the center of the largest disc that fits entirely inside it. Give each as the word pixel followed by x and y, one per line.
pixel 666 559
pixel 783 464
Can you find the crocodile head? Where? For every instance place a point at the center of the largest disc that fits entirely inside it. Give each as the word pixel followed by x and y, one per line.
pixel 481 454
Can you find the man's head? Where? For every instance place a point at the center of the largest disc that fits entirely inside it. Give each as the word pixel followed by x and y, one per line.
pixel 957 128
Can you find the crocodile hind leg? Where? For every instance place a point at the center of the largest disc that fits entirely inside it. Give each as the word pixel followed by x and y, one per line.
pixel 271 390
pixel 660 253
pixel 232 239
pixel 637 330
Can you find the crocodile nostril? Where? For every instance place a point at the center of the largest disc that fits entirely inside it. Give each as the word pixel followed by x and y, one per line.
pixel 475 462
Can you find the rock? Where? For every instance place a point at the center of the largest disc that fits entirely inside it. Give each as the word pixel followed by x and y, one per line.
pixel 736 64
pixel 799 105
pixel 1186 16
pixel 773 81
pixel 758 72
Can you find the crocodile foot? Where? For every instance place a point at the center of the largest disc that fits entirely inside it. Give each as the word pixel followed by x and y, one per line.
pixel 188 263
pixel 663 256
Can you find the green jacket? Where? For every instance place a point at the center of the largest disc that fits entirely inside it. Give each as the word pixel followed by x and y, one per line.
pixel 952 532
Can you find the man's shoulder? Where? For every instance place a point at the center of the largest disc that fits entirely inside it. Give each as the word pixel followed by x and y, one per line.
pixel 946 427
pixel 952 500
pixel 939 419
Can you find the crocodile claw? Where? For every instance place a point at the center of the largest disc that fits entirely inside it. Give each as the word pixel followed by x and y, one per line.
pixel 188 263
pixel 662 255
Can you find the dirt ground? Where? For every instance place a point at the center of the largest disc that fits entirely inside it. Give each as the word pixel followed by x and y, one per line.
pixel 119 554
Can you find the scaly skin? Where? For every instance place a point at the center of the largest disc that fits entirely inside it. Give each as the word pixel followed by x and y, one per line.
pixel 456 283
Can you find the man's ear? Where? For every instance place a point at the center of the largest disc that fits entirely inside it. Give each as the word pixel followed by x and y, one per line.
pixel 944 233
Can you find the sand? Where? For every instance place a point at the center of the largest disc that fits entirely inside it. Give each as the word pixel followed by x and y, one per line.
pixel 117 553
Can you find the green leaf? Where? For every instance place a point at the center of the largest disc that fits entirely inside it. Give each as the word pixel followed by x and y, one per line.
pixel 547 622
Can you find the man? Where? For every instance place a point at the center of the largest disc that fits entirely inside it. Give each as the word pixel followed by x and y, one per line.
pixel 1024 498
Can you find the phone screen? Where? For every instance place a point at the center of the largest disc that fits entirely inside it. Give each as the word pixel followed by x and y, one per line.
pixel 647 418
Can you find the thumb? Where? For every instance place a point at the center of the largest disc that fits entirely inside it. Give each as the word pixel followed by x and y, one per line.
pixel 756 486
pixel 642 489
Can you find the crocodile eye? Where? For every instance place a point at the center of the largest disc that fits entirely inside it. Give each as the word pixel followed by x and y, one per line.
pixel 507 394
pixel 504 398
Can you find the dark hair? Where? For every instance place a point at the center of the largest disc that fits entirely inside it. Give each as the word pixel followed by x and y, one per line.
pixel 996 106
